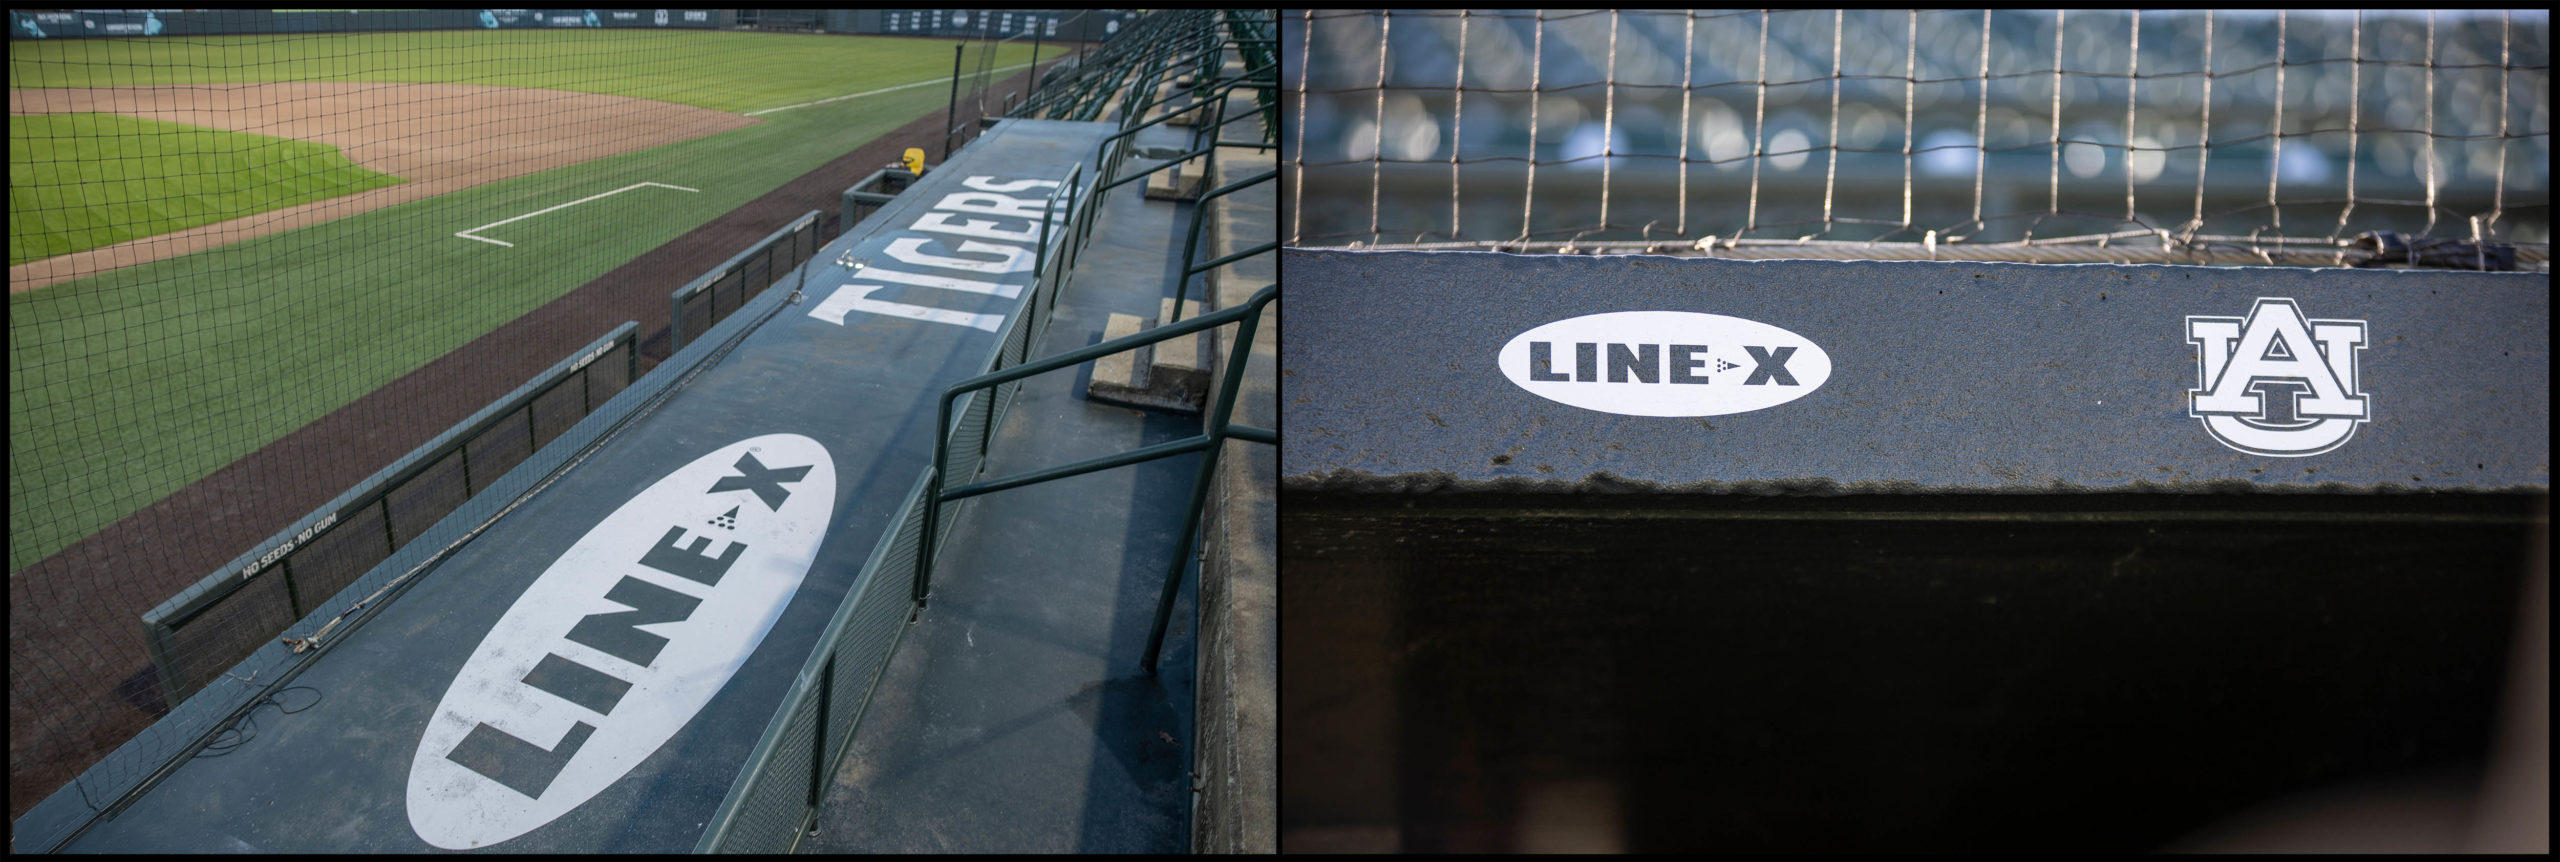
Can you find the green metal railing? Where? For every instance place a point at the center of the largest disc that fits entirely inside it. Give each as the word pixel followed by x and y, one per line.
pixel 783 780
pixel 1217 428
pixel 1129 67
pixel 779 787
pixel 233 611
pixel 873 192
pixel 1191 237
pixel 1110 153
pixel 709 285
pixel 1215 106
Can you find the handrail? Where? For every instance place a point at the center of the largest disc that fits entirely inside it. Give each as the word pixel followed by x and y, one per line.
pixel 1118 64
pixel 1223 90
pixel 1247 77
pixel 811 714
pixel 1108 159
pixel 1082 215
pixel 1191 238
pixel 1215 431
pixel 1048 216
pixel 1187 155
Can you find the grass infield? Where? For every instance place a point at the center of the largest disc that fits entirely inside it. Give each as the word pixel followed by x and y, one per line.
pixel 82 181
pixel 129 385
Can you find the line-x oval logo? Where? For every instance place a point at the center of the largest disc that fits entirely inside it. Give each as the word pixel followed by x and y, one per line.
pixel 1664 363
pixel 2276 383
pixel 621 641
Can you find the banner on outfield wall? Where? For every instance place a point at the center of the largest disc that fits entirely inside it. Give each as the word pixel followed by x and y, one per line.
pixel 1075 25
pixel 155 22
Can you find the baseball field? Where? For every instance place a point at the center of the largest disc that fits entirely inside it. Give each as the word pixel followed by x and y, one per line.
pixel 251 232
pixel 83 181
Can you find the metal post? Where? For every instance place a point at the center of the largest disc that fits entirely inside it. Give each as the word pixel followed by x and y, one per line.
pixel 1237 355
pixel 292 591
pixel 675 325
pixel 933 500
pixel 391 538
pixel 818 746
pixel 951 114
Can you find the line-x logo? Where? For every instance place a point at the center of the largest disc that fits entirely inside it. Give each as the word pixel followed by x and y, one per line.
pixel 1664 363
pixel 2275 383
pixel 617 645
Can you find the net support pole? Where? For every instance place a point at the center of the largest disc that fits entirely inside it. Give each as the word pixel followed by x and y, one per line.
pixel 951 115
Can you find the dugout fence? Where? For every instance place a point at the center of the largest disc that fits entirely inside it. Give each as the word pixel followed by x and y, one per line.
pixel 713 296
pixel 234 611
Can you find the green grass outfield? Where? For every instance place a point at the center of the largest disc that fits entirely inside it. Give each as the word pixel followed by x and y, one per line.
pixel 720 70
pixel 129 385
pixel 82 181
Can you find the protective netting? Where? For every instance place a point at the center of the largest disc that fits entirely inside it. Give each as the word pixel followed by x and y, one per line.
pixel 975 71
pixel 258 256
pixel 2066 135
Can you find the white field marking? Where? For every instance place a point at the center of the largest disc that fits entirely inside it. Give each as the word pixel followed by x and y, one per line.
pixel 468 233
pixel 878 91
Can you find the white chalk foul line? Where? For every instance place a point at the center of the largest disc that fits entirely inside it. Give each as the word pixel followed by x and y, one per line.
pixel 468 233
pixel 878 91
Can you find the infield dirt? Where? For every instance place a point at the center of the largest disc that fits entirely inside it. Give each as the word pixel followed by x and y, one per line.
pixel 442 138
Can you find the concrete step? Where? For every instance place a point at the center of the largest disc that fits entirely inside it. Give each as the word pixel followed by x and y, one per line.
pixel 1178 183
pixel 1180 91
pixel 1170 376
pixel 1125 371
pixel 1182 362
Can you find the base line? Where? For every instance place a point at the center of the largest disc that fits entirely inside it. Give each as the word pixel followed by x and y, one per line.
pixel 468 233
pixel 878 91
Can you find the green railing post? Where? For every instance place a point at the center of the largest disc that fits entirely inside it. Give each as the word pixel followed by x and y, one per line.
pixel 1191 237
pixel 818 746
pixel 1237 355
pixel 675 323
pixel 952 113
pixel 936 494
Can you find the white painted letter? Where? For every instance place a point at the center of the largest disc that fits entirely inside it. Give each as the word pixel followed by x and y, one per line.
pixel 981 228
pixel 989 288
pixel 911 250
pixel 857 297
pixel 973 202
pixel 988 184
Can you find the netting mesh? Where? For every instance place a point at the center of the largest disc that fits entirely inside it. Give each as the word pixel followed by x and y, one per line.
pixel 257 256
pixel 2275 137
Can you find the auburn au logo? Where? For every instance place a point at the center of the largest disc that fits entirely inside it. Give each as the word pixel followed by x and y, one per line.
pixel 2277 383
